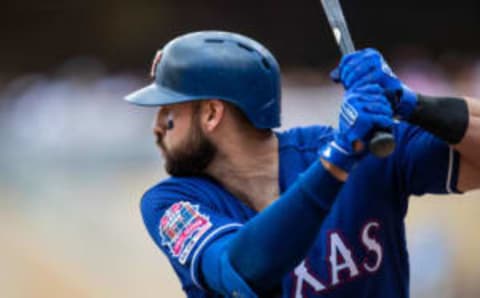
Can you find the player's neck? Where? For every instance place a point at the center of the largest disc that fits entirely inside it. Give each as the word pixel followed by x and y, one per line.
pixel 248 168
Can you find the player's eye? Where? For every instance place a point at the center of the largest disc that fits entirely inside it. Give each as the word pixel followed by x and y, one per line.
pixel 169 121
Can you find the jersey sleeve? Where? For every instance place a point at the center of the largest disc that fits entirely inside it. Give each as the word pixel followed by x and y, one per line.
pixel 426 163
pixel 182 226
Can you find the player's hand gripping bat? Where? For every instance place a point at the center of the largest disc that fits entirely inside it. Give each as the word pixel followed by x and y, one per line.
pixel 382 143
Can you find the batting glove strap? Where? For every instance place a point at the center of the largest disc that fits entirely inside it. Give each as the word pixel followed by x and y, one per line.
pixel 338 156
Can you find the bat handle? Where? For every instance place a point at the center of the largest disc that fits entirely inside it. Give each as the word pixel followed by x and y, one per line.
pixel 382 144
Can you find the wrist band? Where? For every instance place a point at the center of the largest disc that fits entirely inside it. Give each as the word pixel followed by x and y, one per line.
pixel 444 117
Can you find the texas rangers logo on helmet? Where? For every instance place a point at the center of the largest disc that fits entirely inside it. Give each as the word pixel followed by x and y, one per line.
pixel 181 227
pixel 156 60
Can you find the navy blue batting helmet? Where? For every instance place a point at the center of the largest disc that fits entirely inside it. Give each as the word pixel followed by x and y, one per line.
pixel 216 65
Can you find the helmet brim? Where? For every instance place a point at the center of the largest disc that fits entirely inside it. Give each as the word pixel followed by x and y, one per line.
pixel 154 95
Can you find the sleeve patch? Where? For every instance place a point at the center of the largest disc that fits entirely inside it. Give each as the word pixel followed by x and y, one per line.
pixel 181 226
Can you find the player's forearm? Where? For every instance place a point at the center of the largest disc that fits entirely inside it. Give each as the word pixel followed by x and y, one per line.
pixel 454 120
pixel 335 171
pixel 277 239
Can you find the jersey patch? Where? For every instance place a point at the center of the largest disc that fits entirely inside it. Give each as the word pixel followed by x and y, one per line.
pixel 181 226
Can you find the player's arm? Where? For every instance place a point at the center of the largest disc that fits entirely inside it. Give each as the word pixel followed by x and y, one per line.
pixel 277 239
pixel 469 176
pixel 253 260
pixel 454 120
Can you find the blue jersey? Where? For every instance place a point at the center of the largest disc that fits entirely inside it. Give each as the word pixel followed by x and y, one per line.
pixel 360 250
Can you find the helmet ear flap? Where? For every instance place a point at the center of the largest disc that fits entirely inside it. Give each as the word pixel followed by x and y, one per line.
pixel 156 60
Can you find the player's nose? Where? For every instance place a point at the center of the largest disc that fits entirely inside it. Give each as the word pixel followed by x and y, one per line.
pixel 159 126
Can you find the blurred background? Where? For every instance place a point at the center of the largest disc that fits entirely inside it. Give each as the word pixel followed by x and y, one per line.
pixel 75 159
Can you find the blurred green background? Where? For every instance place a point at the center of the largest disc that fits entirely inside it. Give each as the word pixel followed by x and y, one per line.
pixel 75 159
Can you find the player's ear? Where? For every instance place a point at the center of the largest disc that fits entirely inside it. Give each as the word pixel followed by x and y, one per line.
pixel 213 111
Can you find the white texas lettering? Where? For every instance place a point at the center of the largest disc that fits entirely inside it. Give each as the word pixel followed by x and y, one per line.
pixel 337 245
pixel 340 259
pixel 372 245
pixel 302 274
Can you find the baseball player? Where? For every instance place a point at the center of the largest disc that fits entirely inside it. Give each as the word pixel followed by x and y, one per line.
pixel 308 212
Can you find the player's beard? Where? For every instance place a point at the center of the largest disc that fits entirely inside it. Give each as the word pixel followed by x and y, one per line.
pixel 193 155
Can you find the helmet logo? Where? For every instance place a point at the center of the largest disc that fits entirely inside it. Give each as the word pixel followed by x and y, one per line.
pixel 155 62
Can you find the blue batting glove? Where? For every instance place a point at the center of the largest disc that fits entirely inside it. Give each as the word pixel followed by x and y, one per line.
pixel 363 111
pixel 368 67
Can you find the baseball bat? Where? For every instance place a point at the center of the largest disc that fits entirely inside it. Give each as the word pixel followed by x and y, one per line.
pixel 382 144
